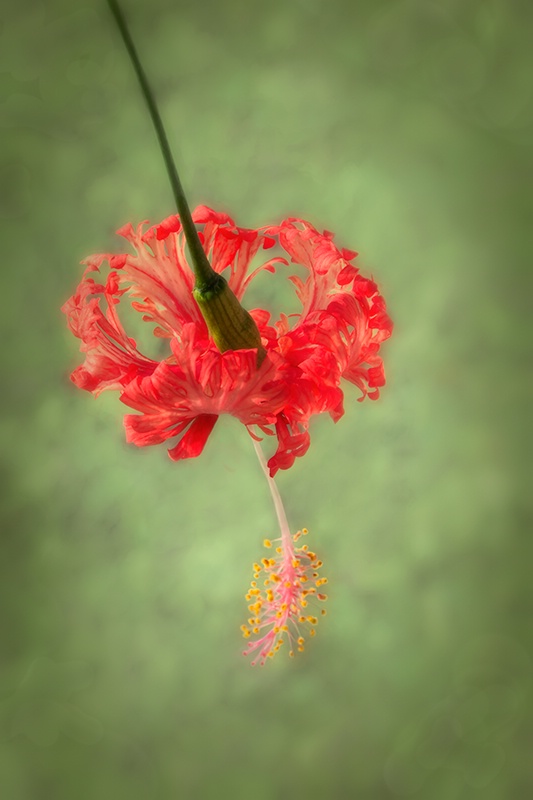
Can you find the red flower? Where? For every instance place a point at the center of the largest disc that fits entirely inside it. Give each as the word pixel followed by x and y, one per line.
pixel 337 335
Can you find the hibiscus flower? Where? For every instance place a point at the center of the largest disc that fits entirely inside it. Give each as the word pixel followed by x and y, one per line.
pixel 302 358
pixel 217 358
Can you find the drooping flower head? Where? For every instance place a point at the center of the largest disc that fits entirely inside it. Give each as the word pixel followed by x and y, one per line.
pixel 217 358
pixel 336 335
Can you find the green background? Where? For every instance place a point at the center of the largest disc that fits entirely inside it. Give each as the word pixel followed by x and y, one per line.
pixel 406 128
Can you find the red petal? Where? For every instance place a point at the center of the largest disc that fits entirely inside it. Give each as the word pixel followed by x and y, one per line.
pixel 376 376
pixel 169 225
pixel 193 440
pixel 349 254
pixel 346 275
pixel 117 262
pixel 126 231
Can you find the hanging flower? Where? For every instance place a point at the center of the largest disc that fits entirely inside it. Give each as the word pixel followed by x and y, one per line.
pixel 218 358
pixel 336 335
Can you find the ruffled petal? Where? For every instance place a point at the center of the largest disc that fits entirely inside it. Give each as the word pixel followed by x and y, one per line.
pixel 199 381
pixel 293 442
pixel 342 312
pixel 111 357
pixel 194 439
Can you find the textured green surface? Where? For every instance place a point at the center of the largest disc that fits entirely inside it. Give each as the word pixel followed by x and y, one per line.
pixel 405 128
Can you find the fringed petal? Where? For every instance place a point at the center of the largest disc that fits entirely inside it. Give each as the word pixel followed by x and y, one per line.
pixel 194 439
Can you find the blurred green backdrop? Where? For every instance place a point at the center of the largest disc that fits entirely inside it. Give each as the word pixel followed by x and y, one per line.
pixel 405 127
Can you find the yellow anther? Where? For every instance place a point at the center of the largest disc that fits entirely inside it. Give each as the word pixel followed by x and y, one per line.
pixel 267 543
pixel 279 614
pixel 276 628
pixel 301 648
pixel 285 628
pixel 279 550
pixel 295 563
pixel 305 531
pixel 323 612
pixel 253 584
pixel 275 577
pixel 265 562
pixel 303 578
pixel 291 653
pixel 296 536
pixel 312 632
pixel 256 630
pixel 271 562
pixel 322 596
pixel 312 620
pixel 256 567
pixel 303 603
pixel 271 654
pixel 300 640
pixel 301 619
pixel 311 555
pixel 287 584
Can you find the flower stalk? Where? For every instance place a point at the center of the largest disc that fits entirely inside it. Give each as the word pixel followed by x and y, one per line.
pixel 231 327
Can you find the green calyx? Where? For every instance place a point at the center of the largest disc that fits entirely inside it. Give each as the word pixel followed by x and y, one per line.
pixel 230 326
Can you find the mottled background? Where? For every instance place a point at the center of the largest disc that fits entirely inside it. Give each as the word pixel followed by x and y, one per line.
pixel 406 128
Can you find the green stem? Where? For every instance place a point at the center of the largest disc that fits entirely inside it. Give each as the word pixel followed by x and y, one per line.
pixel 206 277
